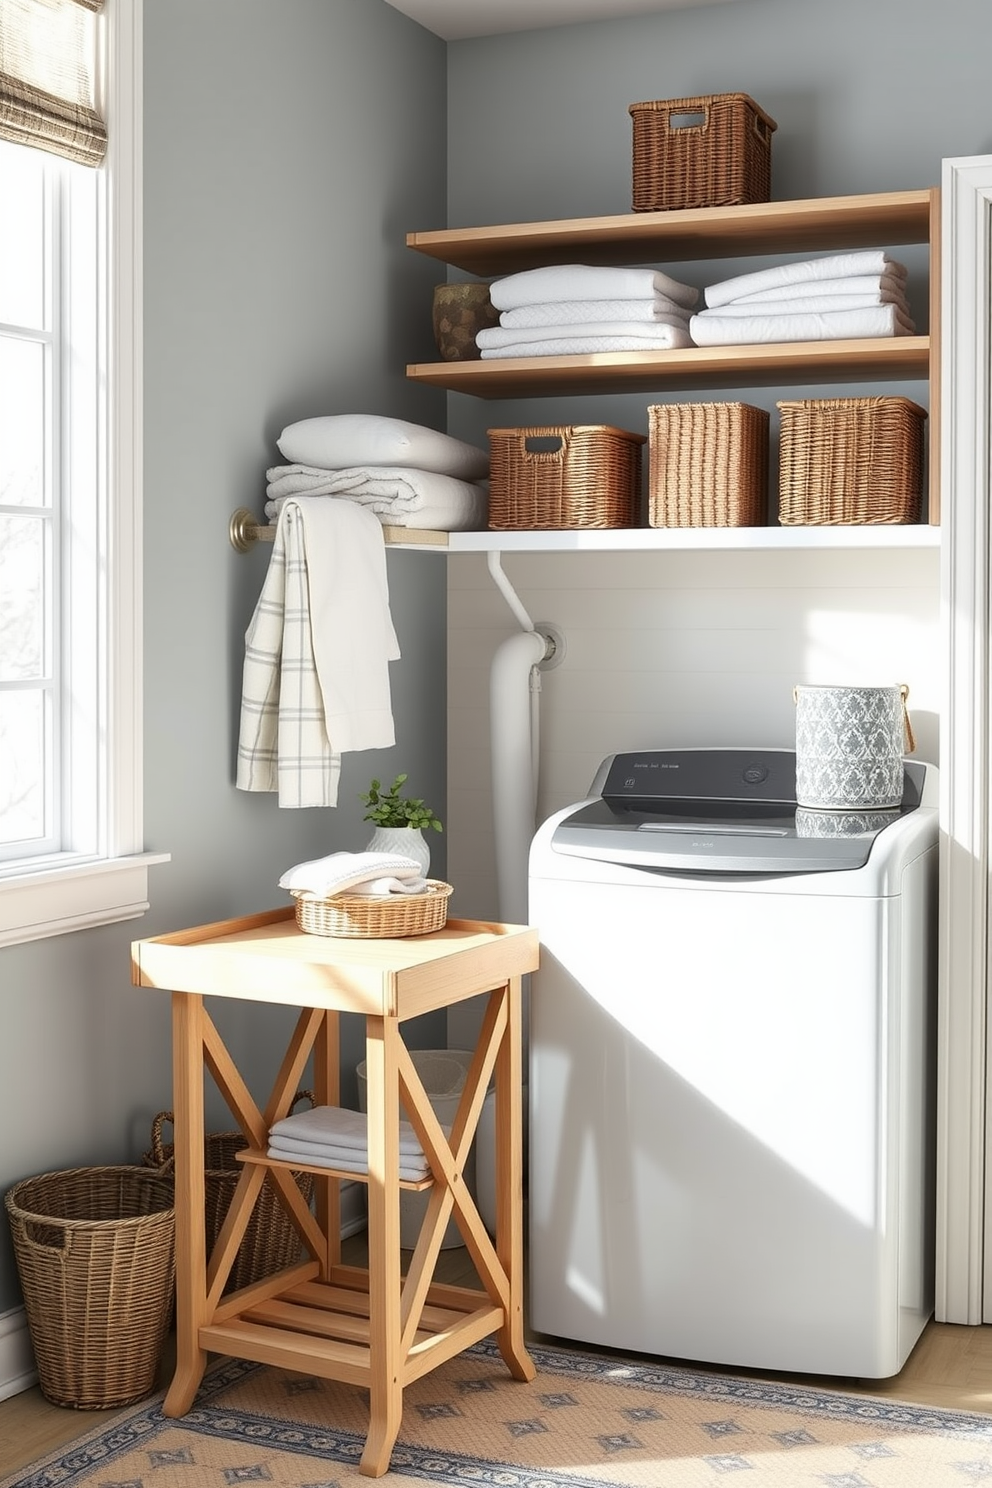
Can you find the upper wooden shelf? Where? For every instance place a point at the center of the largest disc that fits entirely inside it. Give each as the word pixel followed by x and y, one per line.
pixel 822 224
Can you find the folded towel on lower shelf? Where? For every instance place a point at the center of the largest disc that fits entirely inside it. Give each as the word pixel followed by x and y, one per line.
pixel 343 872
pixel 398 497
pixel 337 1126
pixel 839 325
pixel 315 1154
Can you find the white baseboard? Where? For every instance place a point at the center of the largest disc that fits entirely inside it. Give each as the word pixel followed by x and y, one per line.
pixel 17 1367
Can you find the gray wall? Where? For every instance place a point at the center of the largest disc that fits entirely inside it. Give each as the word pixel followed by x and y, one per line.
pixel 288 148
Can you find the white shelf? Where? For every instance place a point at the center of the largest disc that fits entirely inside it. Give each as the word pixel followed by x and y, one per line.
pixel 671 539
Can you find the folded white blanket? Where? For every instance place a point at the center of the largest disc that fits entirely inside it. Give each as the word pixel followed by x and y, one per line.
pixel 581 312
pixel 398 497
pixel 381 888
pixel 340 872
pixel 586 340
pixel 884 286
pixel 337 1126
pixel 341 440
pixel 316 674
pixel 812 304
pixel 315 1154
pixel 835 266
pixel 559 282
pixel 839 325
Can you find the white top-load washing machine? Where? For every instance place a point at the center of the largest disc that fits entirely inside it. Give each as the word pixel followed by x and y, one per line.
pixel 731 1079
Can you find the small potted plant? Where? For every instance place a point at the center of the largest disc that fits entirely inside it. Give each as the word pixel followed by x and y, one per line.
pixel 400 822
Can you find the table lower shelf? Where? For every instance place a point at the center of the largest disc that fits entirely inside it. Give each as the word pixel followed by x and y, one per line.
pixel 323 1328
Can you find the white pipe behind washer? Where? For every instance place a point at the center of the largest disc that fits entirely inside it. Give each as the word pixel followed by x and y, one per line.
pixel 513 741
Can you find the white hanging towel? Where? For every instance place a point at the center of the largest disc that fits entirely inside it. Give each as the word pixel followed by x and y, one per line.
pixel 316 674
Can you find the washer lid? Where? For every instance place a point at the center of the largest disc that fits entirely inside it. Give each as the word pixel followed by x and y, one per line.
pixel 720 811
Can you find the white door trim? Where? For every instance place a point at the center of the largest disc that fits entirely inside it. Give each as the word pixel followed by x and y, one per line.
pixel 963 1056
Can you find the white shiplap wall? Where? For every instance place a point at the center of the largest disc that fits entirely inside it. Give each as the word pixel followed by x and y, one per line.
pixel 674 649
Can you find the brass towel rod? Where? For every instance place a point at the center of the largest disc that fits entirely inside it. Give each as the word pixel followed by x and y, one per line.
pixel 245 530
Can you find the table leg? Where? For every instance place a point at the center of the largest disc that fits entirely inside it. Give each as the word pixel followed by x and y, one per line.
pixel 509 1186
pixel 191 1244
pixel 383 1106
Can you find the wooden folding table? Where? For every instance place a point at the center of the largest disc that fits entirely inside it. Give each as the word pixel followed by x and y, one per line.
pixel 374 1326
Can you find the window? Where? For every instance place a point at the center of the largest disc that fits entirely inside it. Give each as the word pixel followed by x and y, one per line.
pixel 70 790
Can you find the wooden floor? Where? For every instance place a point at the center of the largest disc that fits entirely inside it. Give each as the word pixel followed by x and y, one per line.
pixel 951 1366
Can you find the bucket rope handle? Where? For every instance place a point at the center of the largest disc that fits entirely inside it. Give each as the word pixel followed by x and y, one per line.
pixel 907 726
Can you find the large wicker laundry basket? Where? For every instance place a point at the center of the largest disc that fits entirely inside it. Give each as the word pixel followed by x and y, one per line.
pixel 270 1241
pixel 95 1251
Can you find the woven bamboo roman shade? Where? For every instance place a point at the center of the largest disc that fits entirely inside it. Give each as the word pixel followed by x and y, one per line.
pixel 47 77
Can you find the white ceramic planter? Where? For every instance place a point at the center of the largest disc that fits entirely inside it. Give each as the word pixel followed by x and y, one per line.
pixel 408 841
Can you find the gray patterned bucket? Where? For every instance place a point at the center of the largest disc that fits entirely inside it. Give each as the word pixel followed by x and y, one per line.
pixel 850 743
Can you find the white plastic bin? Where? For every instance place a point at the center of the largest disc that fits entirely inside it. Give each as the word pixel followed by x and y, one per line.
pixel 443 1073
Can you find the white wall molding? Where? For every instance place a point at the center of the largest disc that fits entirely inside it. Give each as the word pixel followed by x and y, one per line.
pixel 963 1062
pixel 17 1366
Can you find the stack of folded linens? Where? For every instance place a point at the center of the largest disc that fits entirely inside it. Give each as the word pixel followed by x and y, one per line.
pixel 858 295
pixel 578 309
pixel 408 475
pixel 332 1137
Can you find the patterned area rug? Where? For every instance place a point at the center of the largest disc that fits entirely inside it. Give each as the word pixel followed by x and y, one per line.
pixel 586 1421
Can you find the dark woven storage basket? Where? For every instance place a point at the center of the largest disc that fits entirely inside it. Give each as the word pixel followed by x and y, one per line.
pixel 590 478
pixel 270 1241
pixel 850 460
pixel 711 151
pixel 95 1251
pixel 708 465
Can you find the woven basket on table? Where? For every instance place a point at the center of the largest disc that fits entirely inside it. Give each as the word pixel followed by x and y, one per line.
pixel 362 917
pixel 95 1251
pixel 583 475
pixel 850 460
pixel 708 465
pixel 270 1241
pixel 710 151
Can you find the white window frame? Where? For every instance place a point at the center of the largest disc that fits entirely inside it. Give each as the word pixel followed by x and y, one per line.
pixel 65 892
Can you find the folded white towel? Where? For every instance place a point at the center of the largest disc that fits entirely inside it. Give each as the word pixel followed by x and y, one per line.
pixel 593 339
pixel 321 626
pixel 339 1127
pixel 885 286
pixel 653 332
pixel 840 325
pixel 340 872
pixel 381 888
pixel 398 497
pixel 834 266
pixel 557 282
pixel 315 1154
pixel 581 312
pixel 808 304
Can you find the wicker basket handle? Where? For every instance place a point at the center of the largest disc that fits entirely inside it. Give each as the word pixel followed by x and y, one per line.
pixel 695 118
pixel 160 1158
pixel 35 1231
pixel 557 442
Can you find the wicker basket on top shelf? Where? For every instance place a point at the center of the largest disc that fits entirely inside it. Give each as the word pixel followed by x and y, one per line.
pixel 710 151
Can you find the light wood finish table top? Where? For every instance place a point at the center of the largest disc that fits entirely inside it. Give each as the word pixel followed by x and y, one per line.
pixel 374 1326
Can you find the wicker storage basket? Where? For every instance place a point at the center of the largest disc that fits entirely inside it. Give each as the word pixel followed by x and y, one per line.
pixel 713 151
pixel 708 465
pixel 850 460
pixel 590 477
pixel 270 1241
pixel 360 917
pixel 95 1251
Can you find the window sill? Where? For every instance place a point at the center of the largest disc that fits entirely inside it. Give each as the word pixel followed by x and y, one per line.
pixel 78 896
